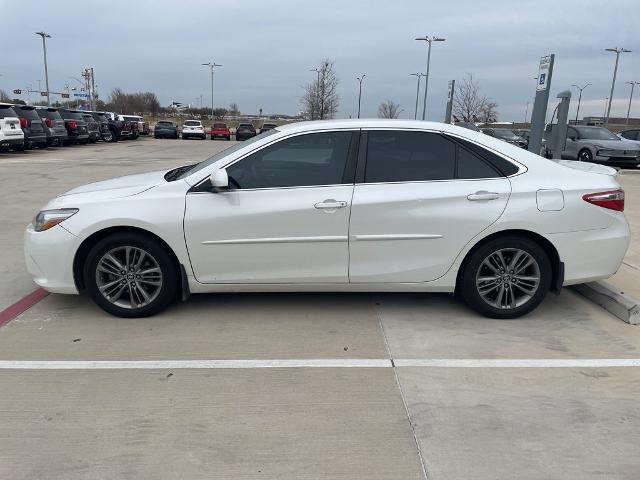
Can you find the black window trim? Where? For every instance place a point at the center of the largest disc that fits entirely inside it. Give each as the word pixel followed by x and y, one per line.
pixel 203 185
pixel 362 157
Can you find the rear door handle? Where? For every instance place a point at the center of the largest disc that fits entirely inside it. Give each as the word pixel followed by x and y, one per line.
pixel 483 195
pixel 330 204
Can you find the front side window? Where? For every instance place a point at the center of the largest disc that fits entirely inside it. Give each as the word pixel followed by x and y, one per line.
pixel 303 160
pixel 401 156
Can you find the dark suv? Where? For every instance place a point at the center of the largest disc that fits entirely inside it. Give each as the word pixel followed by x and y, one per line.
pixel 93 127
pixel 106 135
pixel 32 126
pixel 245 131
pixel 76 126
pixel 53 125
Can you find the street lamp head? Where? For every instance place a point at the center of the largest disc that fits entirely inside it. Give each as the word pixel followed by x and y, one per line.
pixel 625 50
pixel 438 39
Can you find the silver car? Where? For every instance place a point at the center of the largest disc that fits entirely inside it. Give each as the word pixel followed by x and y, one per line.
pixel 599 145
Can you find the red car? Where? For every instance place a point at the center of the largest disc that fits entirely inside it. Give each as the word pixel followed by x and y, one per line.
pixel 220 130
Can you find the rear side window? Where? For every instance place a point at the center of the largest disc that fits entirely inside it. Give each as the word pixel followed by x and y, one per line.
pixel 504 167
pixel 6 111
pixel 471 166
pixel 401 156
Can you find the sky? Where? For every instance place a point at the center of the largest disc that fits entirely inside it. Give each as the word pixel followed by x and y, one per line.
pixel 267 48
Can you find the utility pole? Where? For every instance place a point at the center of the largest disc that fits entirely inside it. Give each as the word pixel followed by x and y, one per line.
pixel 417 75
pixel 617 51
pixel 360 79
pixel 633 84
pixel 317 93
pixel 93 91
pixel 579 98
pixel 46 73
pixel 429 40
pixel 212 65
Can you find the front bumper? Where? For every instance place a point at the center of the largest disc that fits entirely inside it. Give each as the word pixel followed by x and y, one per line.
pixel 49 258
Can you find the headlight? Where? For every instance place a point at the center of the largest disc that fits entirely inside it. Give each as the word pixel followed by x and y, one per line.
pixel 50 218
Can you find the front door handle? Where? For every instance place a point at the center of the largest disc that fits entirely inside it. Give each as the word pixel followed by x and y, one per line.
pixel 330 204
pixel 483 195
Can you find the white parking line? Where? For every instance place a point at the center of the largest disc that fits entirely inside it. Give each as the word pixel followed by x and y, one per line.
pixel 316 363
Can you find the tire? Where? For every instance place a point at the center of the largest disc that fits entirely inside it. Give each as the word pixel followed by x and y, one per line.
pixel 156 137
pixel 520 295
pixel 585 155
pixel 155 298
pixel 115 135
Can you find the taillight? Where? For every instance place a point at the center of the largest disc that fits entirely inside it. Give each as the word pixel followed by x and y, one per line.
pixel 48 122
pixel 125 124
pixel 73 124
pixel 612 199
pixel 23 123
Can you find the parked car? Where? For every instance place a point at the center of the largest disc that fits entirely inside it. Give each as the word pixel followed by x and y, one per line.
pixel 132 123
pixel 106 133
pixel 632 135
pixel 120 129
pixel 267 126
pixel 143 127
pixel 193 128
pixel 166 129
pixel 10 132
pixel 245 131
pixel 32 126
pixel 524 133
pixel 53 125
pixel 469 125
pixel 93 127
pixel 505 135
pixel 76 127
pixel 395 205
pixel 595 144
pixel 220 130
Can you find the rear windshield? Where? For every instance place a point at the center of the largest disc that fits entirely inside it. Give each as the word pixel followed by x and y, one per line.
pixel 7 111
pixel 219 125
pixel 192 123
pixel 166 123
pixel 245 125
pixel 49 113
pixel 28 112
pixel 131 119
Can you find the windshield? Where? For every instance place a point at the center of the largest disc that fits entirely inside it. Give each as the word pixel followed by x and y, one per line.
pixel 505 134
pixel 220 155
pixel 596 133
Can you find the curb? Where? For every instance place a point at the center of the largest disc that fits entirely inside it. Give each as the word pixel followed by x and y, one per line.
pixel 623 306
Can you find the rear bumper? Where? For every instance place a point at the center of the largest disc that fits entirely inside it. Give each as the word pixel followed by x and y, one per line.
pixel 592 254
pixel 12 140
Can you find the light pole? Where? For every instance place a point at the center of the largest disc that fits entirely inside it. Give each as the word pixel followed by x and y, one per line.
pixel 617 51
pixel 46 73
pixel 633 84
pixel 360 79
pixel 317 70
pixel 418 76
pixel 212 65
pixel 579 97
pixel 606 102
pixel 429 40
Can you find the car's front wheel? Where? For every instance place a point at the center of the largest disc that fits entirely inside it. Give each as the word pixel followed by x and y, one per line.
pixel 131 275
pixel 585 155
pixel 507 277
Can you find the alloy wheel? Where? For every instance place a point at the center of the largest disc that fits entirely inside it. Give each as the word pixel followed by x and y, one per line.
pixel 129 277
pixel 508 278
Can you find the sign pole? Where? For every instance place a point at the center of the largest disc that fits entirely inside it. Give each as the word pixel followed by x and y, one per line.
pixel 539 114
pixel 451 91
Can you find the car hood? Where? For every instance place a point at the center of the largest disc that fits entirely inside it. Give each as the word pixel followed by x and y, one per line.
pixel 121 186
pixel 613 144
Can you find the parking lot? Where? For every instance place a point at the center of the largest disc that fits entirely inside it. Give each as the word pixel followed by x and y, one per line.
pixel 295 386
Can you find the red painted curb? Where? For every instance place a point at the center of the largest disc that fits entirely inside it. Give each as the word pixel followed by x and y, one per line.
pixel 22 305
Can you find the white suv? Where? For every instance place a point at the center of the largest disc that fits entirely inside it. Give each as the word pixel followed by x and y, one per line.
pixel 10 130
pixel 193 128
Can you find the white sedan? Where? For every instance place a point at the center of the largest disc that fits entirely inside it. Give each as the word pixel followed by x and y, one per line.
pixel 346 205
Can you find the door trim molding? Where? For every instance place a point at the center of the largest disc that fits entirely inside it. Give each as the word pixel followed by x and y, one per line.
pixel 242 241
pixel 393 236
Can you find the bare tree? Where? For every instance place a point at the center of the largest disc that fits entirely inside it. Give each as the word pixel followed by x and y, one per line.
pixel 4 97
pixel 234 110
pixel 389 109
pixel 321 99
pixel 470 105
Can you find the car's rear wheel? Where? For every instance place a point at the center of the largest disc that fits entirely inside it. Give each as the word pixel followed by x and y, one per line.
pixel 507 277
pixel 585 155
pixel 130 275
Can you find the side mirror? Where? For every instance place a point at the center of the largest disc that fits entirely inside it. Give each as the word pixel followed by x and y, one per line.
pixel 219 180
